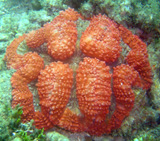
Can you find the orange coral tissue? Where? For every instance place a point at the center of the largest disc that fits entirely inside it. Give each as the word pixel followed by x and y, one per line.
pixel 76 89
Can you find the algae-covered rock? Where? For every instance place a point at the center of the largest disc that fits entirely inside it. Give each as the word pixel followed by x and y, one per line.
pixel 145 14
pixel 154 57
pixel 2 63
pixel 148 135
pixel 36 5
pixel 17 139
pixel 3 37
pixel 55 136
pixel 87 10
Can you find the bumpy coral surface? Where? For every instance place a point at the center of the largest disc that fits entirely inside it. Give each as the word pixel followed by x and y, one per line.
pixel 79 98
pixel 101 39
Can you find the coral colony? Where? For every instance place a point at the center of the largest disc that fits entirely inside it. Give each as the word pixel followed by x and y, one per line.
pixel 97 77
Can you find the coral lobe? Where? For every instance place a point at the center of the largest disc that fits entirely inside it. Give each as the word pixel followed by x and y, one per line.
pixel 101 39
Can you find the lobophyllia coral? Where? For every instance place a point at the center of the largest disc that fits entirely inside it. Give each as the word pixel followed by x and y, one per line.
pixel 90 85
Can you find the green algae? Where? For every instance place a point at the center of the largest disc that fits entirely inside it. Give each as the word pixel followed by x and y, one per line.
pixel 12 127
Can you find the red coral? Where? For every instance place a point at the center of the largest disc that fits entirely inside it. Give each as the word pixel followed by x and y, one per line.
pixel 71 121
pixel 23 76
pixel 124 77
pixel 101 40
pixel 94 93
pixel 13 59
pixel 60 35
pixel 54 86
pixel 69 15
pixel 35 38
pixel 62 41
pixel 138 56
